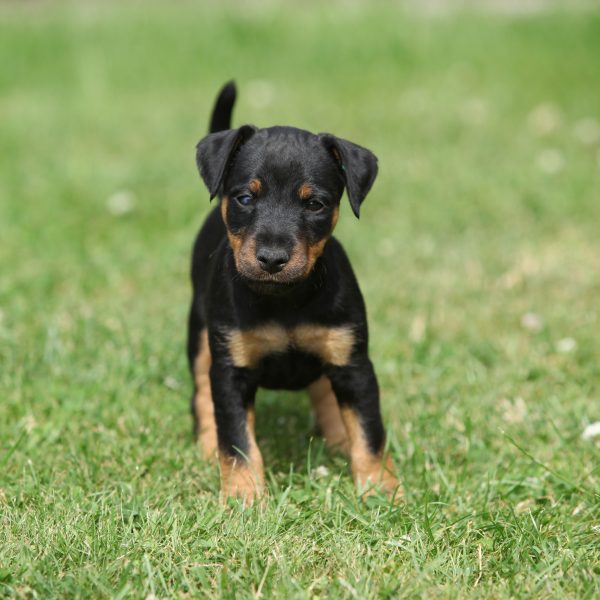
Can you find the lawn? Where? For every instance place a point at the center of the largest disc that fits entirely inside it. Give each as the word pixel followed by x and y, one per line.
pixel 478 252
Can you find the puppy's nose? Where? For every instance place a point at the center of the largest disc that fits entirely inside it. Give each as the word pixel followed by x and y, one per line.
pixel 272 260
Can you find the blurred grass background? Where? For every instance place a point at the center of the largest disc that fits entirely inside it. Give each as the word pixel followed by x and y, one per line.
pixel 477 251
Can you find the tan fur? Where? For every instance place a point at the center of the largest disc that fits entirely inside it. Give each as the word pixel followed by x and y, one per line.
pixel 328 414
pixel 224 205
pixel 248 347
pixel 235 241
pixel 335 217
pixel 332 344
pixel 313 251
pixel 203 402
pixel 255 186
pixel 241 478
pixel 369 471
pixel 298 260
pixel 305 191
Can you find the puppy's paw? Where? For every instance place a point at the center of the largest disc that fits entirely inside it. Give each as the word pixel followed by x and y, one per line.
pixel 239 480
pixel 378 477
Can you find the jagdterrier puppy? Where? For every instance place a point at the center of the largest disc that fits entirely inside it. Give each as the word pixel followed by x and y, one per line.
pixel 275 301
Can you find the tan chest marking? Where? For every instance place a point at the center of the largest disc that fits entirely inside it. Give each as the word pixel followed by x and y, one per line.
pixel 248 347
pixel 332 344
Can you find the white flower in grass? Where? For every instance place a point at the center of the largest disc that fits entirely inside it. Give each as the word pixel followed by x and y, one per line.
pixel 550 161
pixel 525 505
pixel 259 93
pixel 120 202
pixel 544 119
pixel 386 247
pixel 418 329
pixel 474 111
pixel 532 322
pixel 321 471
pixel 566 345
pixel 400 542
pixel 591 431
pixel 514 411
pixel 587 131
pixel 413 101
pixel 29 423
pixel 171 383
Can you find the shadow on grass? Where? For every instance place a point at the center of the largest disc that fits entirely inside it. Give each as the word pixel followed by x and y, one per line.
pixel 286 432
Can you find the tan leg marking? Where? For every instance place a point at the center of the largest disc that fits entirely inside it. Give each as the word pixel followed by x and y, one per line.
pixel 328 414
pixel 203 402
pixel 369 471
pixel 240 478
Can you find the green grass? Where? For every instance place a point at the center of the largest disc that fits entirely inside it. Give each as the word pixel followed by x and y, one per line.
pixel 487 208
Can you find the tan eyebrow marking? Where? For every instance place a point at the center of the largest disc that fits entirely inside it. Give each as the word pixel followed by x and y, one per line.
pixel 305 191
pixel 255 186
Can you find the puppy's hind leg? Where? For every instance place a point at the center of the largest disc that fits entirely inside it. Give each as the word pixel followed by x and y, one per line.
pixel 328 415
pixel 203 411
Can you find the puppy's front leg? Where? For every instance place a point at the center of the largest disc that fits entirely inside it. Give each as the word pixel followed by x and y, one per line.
pixel 233 391
pixel 357 392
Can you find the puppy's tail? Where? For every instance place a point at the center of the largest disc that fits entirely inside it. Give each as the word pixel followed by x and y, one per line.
pixel 221 114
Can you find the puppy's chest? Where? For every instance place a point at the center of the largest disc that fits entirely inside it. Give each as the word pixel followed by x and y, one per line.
pixel 332 345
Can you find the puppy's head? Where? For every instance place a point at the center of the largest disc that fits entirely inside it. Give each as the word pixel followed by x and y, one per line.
pixel 280 191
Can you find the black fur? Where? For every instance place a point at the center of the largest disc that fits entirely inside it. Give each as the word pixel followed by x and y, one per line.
pixel 226 297
pixel 221 115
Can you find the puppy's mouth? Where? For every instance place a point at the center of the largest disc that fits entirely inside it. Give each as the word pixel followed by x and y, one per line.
pixel 271 287
pixel 285 278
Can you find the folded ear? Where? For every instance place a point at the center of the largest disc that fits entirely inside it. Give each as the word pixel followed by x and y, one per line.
pixel 214 154
pixel 358 166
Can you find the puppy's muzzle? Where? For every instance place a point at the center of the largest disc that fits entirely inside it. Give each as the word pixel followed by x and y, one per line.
pixel 272 259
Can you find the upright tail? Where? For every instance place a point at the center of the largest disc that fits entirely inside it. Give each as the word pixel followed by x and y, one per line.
pixel 221 114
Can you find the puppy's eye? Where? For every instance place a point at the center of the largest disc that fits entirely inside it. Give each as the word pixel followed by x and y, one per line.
pixel 314 206
pixel 244 200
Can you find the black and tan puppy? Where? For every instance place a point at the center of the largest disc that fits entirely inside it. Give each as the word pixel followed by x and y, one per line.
pixel 275 301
